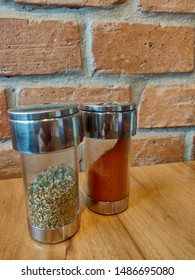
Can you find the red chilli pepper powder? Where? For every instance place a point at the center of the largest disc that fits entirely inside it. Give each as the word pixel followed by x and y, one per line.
pixel 108 176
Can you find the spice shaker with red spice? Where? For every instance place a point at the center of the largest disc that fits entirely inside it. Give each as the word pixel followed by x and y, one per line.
pixel 108 130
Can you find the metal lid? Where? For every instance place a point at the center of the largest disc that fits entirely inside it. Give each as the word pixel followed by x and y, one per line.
pixel 44 128
pixel 109 120
pixel 113 106
pixel 43 111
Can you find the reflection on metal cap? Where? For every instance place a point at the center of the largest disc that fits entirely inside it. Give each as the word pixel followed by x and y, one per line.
pixel 113 106
pixel 110 120
pixel 45 127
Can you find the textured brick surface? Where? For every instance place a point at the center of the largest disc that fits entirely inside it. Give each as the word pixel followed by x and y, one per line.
pixel 4 126
pixel 46 45
pixel 32 47
pixel 29 96
pixel 73 3
pixel 167 106
pixel 147 151
pixel 10 164
pixel 174 6
pixel 142 48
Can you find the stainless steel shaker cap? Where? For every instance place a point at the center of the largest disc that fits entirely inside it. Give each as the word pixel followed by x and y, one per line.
pixel 45 128
pixel 43 111
pixel 113 106
pixel 109 120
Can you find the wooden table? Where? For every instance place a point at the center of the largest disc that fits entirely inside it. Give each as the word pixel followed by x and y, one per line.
pixel 159 223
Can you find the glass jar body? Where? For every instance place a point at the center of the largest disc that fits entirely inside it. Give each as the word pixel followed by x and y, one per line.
pixel 52 196
pixel 108 174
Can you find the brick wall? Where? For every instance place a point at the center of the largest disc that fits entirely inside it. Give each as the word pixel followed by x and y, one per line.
pixel 94 50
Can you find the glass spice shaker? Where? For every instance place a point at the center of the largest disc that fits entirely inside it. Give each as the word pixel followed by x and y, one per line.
pixel 47 136
pixel 108 128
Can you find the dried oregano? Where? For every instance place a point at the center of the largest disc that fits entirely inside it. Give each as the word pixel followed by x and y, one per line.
pixel 53 197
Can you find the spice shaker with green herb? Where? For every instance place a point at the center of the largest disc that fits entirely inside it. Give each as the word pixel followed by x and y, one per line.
pixel 47 136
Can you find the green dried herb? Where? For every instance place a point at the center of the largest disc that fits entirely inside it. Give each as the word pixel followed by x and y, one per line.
pixel 53 198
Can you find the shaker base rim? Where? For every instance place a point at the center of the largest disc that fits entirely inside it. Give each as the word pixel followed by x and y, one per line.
pixel 107 208
pixel 56 235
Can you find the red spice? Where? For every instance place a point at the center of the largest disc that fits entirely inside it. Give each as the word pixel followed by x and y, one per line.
pixel 108 176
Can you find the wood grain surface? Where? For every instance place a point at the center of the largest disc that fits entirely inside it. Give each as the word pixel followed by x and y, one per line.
pixel 159 223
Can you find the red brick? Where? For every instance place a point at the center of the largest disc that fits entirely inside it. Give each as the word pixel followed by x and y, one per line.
pixel 38 47
pixel 167 106
pixel 157 150
pixel 72 3
pixel 4 124
pixel 142 48
pixel 173 6
pixel 35 95
pixel 10 164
